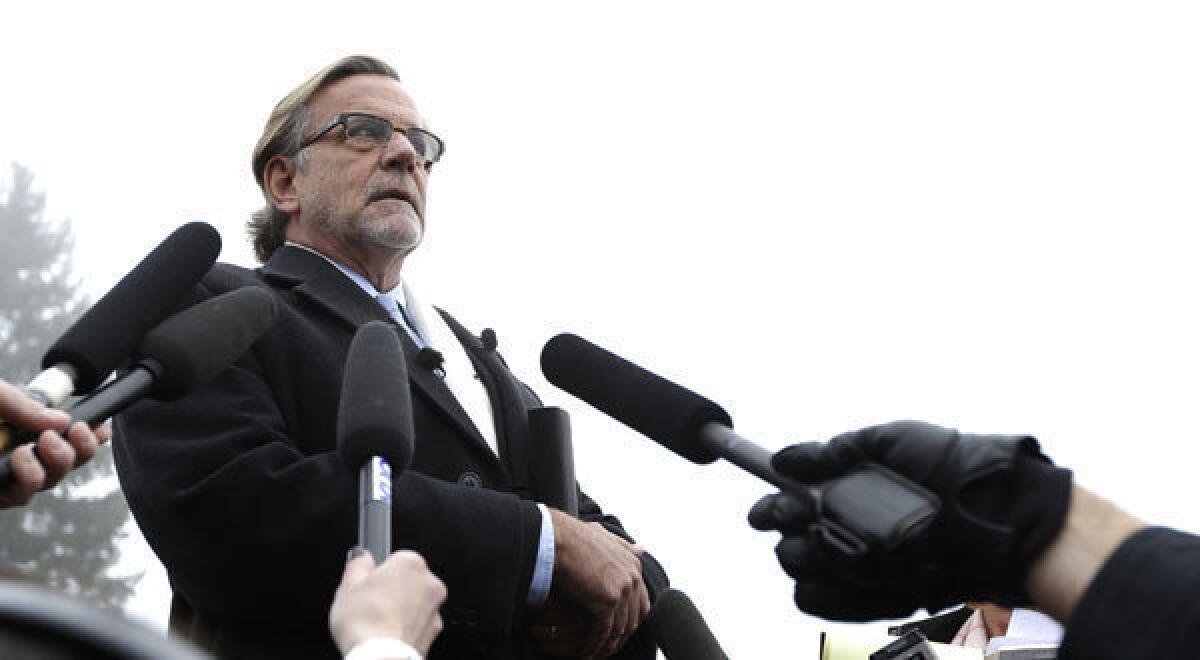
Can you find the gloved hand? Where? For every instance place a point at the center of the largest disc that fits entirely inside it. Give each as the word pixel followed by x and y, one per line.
pixel 1002 502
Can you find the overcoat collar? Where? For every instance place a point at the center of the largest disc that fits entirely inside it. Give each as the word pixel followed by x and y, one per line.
pixel 312 277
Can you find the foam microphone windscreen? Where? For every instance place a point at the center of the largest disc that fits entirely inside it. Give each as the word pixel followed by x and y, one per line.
pixel 667 413
pixel 680 629
pixel 193 346
pixel 106 334
pixel 375 410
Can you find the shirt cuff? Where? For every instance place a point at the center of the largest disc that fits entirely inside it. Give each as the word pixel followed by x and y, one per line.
pixel 543 569
pixel 383 648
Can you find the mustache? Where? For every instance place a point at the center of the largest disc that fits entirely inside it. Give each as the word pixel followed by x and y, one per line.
pixel 406 190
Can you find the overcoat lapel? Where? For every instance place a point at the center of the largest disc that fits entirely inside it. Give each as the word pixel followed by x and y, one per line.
pixel 312 277
pixel 508 406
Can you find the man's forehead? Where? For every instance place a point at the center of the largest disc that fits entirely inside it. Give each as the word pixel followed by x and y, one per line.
pixel 374 94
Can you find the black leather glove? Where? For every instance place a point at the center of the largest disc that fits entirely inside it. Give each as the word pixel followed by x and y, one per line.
pixel 1002 502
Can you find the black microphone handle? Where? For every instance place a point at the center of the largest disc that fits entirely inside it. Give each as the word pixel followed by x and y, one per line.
pixel 868 508
pixel 722 441
pixel 552 459
pixel 99 406
pixel 375 508
pixel 680 631
pixel 116 396
pixel 751 457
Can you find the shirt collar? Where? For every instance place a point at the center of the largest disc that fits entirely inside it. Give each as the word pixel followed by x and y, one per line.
pixel 397 292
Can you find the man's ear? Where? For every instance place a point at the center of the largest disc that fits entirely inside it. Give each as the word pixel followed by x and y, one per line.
pixel 279 182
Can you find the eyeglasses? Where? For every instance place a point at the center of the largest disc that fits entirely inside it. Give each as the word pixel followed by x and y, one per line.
pixel 366 132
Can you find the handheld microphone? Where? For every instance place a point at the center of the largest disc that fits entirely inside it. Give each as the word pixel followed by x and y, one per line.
pixel 552 459
pixel 375 428
pixel 187 350
pixel 867 509
pixel 680 630
pixel 109 331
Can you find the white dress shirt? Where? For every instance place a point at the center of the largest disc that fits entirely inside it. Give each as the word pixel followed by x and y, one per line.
pixel 432 331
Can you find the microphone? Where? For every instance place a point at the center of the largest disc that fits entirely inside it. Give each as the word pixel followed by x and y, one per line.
pixel 552 459
pixel 432 359
pixel 869 508
pixel 108 332
pixel 680 630
pixel 375 428
pixel 187 350
pixel 488 339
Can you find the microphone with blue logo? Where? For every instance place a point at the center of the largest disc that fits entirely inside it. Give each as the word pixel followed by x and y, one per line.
pixel 375 428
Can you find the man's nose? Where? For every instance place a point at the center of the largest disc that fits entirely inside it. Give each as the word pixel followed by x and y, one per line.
pixel 399 153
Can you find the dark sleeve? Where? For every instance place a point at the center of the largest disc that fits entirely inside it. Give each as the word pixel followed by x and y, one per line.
pixel 1143 603
pixel 252 528
pixel 245 524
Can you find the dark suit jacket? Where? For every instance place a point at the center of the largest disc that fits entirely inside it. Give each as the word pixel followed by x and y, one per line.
pixel 238 489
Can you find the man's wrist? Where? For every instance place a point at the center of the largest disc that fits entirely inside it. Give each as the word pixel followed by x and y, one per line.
pixel 1062 572
pixel 383 648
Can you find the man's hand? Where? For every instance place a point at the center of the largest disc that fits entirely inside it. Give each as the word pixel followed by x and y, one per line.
pixel 58 454
pixel 602 574
pixel 399 599
pixel 1002 503
pixel 995 618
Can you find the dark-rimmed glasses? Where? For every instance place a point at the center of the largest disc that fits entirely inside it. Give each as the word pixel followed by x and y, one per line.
pixel 366 132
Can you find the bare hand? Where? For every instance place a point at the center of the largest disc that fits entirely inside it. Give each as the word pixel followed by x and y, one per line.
pixel 399 599
pixel 995 618
pixel 602 573
pixel 58 455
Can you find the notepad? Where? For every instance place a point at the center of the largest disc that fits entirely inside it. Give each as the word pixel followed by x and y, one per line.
pixel 842 647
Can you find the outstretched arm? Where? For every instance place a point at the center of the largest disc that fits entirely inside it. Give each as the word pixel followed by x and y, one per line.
pixel 1093 531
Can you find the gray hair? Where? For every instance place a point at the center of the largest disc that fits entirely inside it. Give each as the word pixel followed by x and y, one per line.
pixel 282 136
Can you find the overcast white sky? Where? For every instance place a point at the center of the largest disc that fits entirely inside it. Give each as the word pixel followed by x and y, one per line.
pixel 821 215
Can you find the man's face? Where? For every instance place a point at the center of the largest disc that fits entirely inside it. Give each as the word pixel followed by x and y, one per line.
pixel 355 197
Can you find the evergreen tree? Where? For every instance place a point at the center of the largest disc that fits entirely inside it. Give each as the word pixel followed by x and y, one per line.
pixel 67 537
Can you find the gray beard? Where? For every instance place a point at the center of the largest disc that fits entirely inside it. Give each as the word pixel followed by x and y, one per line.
pixel 406 238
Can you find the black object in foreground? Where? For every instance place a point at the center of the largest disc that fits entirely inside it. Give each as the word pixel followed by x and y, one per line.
pixel 106 335
pixel 375 428
pixel 188 349
pixel 680 630
pixel 36 622
pixel 869 509
pixel 552 459
pixel 911 646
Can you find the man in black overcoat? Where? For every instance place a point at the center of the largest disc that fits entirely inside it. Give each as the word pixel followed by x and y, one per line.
pixel 237 487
